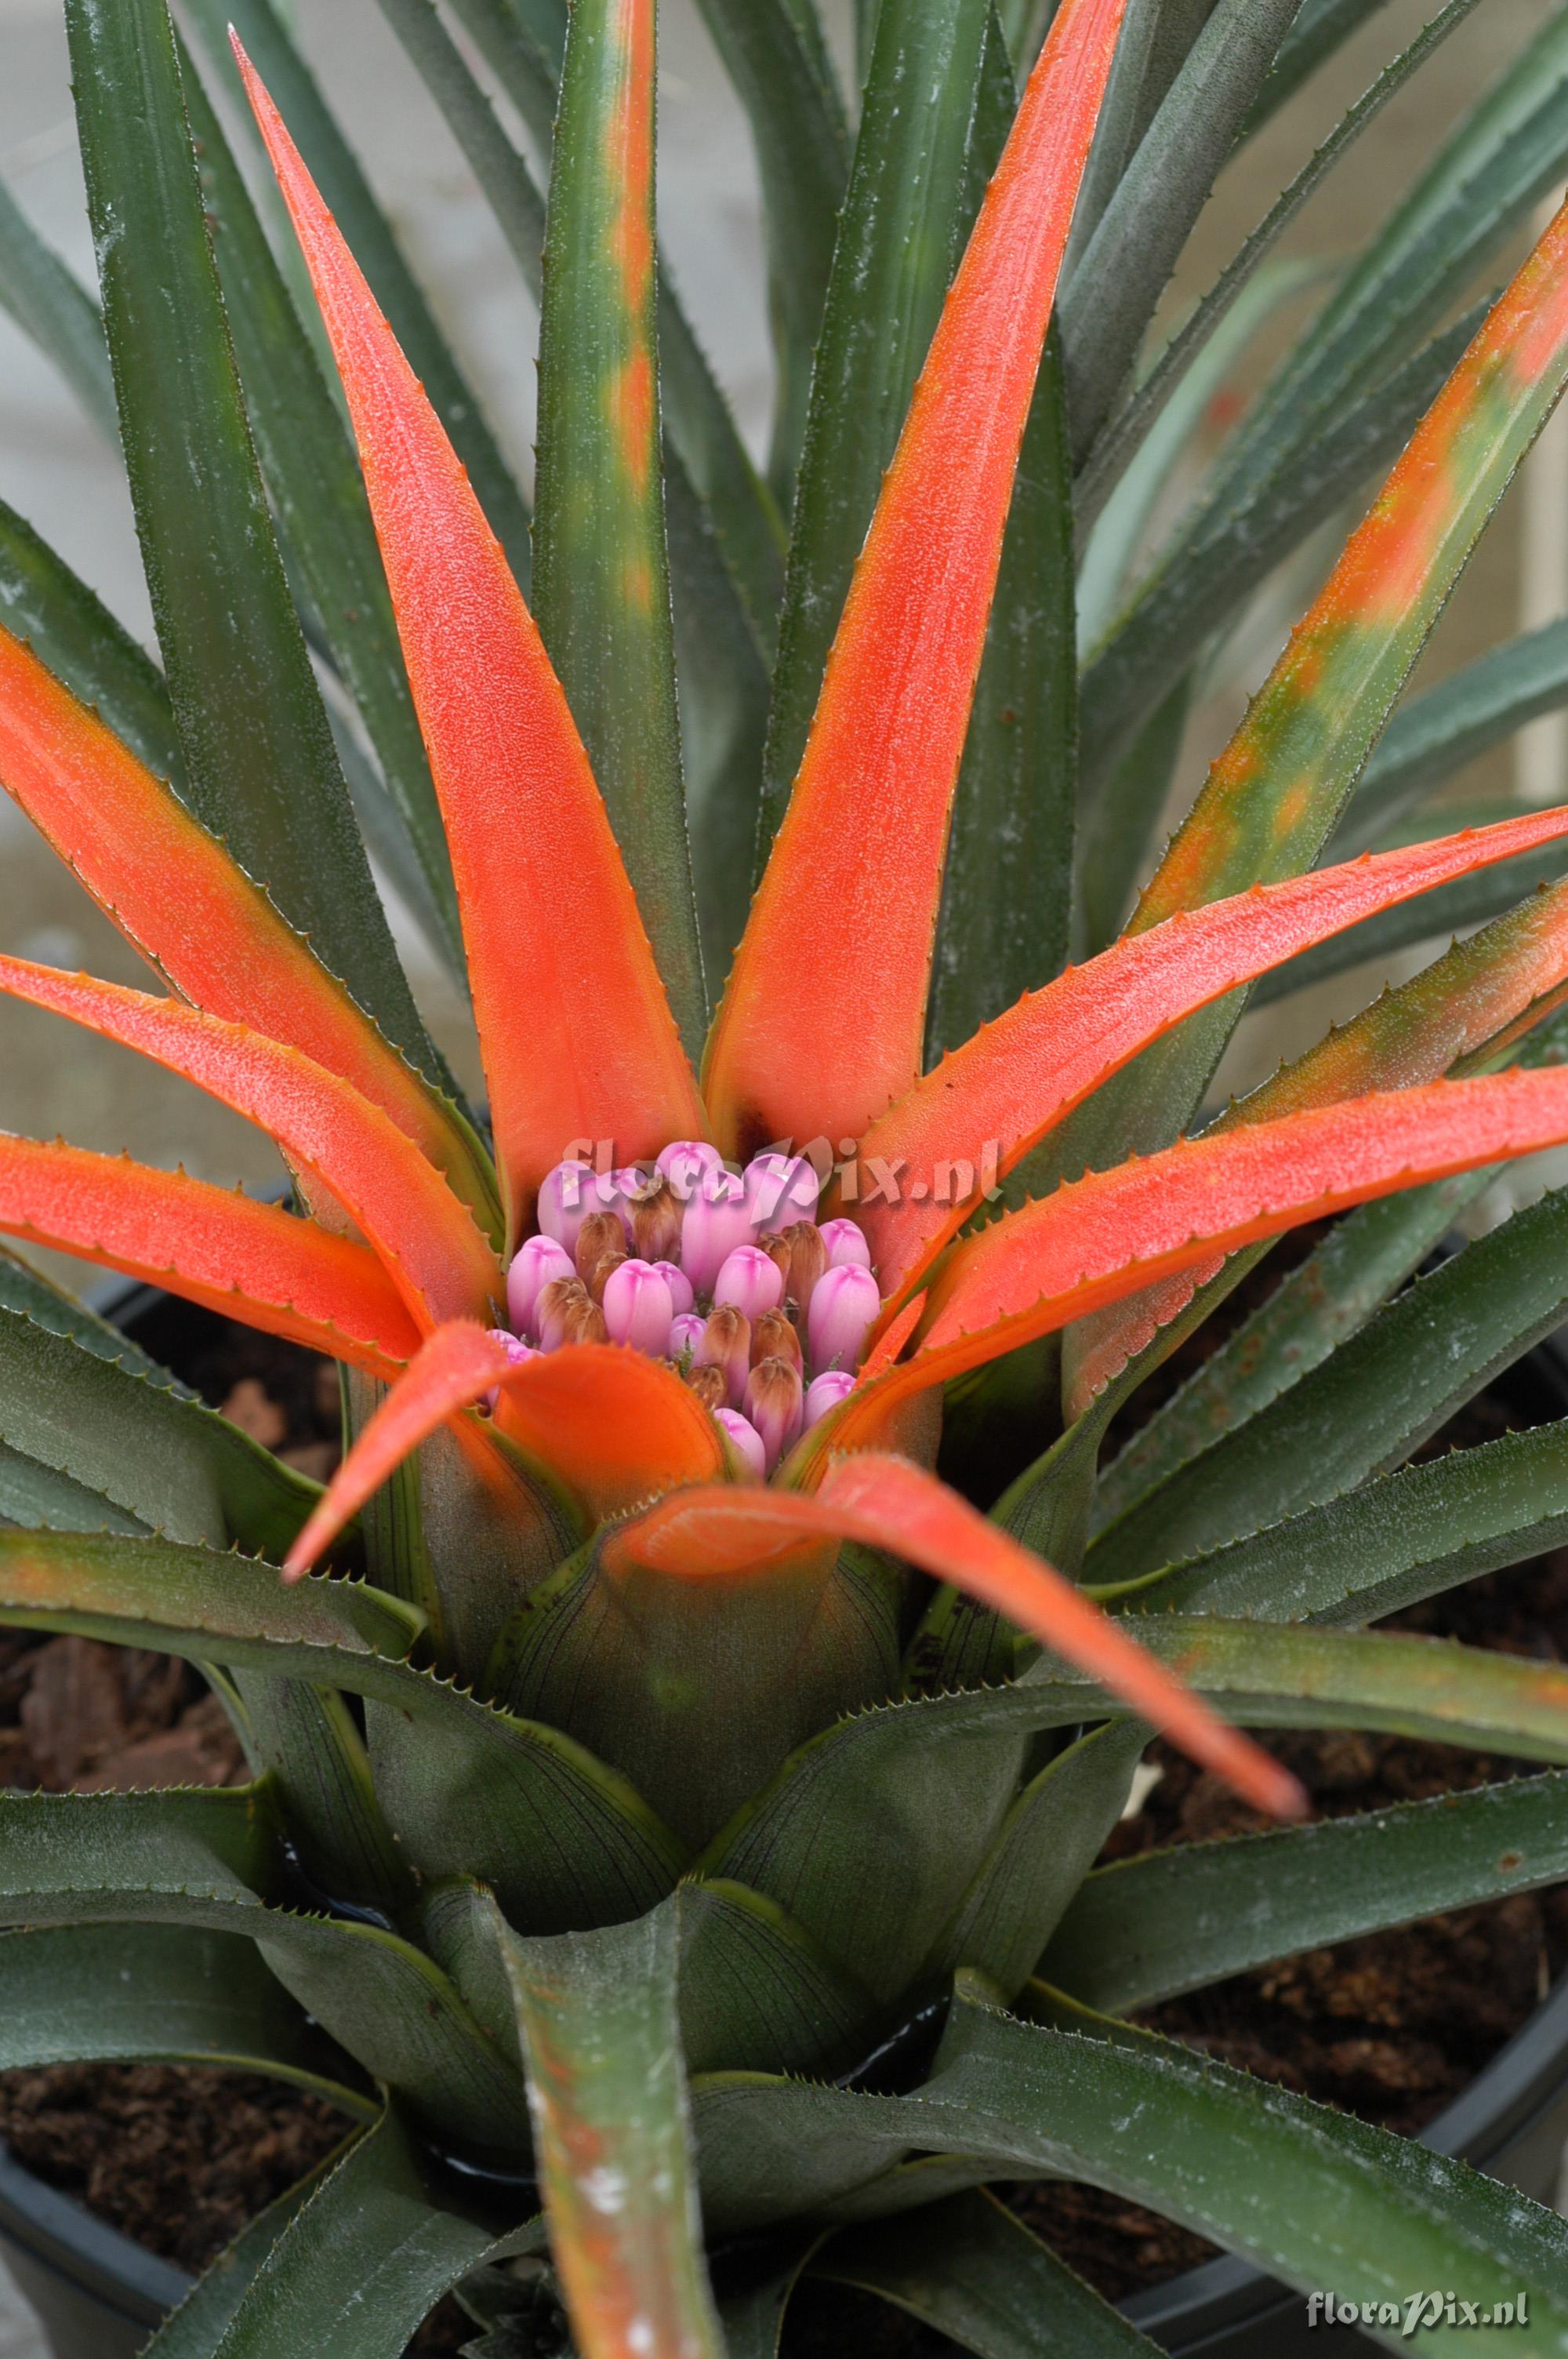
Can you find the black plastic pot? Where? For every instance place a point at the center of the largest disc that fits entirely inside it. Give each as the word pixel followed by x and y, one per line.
pixel 99 2295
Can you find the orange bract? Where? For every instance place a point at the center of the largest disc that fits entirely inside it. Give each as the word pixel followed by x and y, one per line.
pixel 822 1021
pixel 575 1029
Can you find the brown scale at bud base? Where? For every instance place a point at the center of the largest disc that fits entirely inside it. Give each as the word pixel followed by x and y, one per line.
pixel 599 1279
pixel 773 1336
pixel 725 1342
pixel 707 1383
pixel 600 1233
pixel 584 1324
pixel 807 1262
pixel 656 1222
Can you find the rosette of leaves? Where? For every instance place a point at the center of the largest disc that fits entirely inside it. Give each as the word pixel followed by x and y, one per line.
pixel 671 1830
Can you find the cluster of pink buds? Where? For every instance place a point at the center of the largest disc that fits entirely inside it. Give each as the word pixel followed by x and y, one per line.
pixel 726 1273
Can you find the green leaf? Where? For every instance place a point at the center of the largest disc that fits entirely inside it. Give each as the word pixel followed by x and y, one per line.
pixel 379 2241
pixel 802 148
pixel 969 2270
pixel 52 306
pixel 1310 2195
pixel 753 2317
pixel 755 1990
pixel 260 766
pixel 1147 1929
pixel 1314 1308
pixel 1398 1540
pixel 75 1857
pixel 312 473
pixel 1438 733
pixel 1262 1675
pixel 693 1691
pixel 159 1456
pixel 308 1740
pixel 467 1789
pixel 204 1606
pixel 196 2328
pixel 337 173
pixel 525 56
pixel 909 192
pixel 163 1860
pixel 1121 526
pixel 1049 1840
pixel 161 1994
pixel 1004 925
pixel 33 1497
pixel 871 1833
pixel 600 568
pixel 1505 155
pixel 598 2018
pixel 1117 823
pixel 1319 28
pixel 724 694
pixel 1110 297
pixel 1366 1407
pixel 1204 577
pixel 1144 411
pixel 42 602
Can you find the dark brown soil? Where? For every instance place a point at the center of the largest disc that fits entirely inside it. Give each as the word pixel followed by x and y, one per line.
pixel 1390 2028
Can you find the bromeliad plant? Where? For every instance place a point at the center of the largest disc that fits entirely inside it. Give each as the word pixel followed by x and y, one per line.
pixel 677 1784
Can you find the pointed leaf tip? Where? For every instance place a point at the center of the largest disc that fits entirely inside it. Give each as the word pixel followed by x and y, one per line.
pixel 549 921
pixel 822 1022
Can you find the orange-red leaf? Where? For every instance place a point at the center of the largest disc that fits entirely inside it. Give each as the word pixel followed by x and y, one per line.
pixel 575 1029
pixel 822 1021
pixel 995 1098
pixel 1109 1234
pixel 888 1504
pixel 248 1261
pixel 441 1264
pixel 176 893
pixel 616 1426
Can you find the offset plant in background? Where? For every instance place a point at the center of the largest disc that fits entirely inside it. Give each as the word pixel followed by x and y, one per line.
pixel 682 1732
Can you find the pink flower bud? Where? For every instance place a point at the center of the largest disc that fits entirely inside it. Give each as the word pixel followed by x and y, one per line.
pixel 637 1308
pixel 750 1280
pixel 747 1440
pixel 781 1188
pixel 711 1231
pixel 686 1334
pixel 684 1161
pixel 845 1244
pixel 567 1196
pixel 517 1352
pixel 773 1401
pixel 618 1193
pixel 680 1286
pixel 726 1343
pixel 535 1262
pixel 843 1307
pixel 826 1392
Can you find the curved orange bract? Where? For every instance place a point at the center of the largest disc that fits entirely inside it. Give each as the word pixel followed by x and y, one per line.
pixel 887 1503
pixel 615 1426
pixel 822 1021
pixel 212 1246
pixel 178 894
pixel 440 1264
pixel 575 1029
pixel 1004 1090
